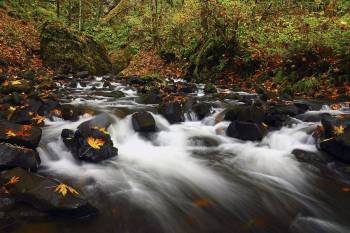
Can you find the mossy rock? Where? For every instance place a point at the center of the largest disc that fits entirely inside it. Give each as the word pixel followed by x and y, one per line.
pixel 66 51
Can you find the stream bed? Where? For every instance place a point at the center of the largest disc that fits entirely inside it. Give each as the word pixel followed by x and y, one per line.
pixel 192 178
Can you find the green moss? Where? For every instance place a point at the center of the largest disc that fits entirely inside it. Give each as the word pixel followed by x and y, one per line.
pixel 67 50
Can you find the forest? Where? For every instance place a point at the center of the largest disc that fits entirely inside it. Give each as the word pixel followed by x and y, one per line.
pixel 175 116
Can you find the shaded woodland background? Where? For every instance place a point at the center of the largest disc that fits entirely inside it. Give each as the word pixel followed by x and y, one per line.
pixel 291 46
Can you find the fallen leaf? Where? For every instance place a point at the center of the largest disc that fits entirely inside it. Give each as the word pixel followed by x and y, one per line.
pixel 63 189
pixel 10 133
pixel 203 202
pixel 13 180
pixel 95 143
pixel 338 130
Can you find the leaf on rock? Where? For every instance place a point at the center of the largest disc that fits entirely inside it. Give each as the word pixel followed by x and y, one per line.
pixel 63 189
pixel 338 130
pixel 13 180
pixel 16 82
pixel 95 143
pixel 38 119
pixel 10 133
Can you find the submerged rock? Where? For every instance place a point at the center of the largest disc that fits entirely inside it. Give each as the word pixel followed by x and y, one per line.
pixel 205 141
pixel 12 156
pixel 143 122
pixel 246 131
pixel 46 194
pixel 22 135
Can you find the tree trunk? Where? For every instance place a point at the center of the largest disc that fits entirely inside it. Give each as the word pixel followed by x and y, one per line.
pixel 80 15
pixel 154 8
pixel 58 8
pixel 204 17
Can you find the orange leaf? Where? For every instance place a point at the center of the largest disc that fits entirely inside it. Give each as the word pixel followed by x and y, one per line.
pixel 95 143
pixel 203 202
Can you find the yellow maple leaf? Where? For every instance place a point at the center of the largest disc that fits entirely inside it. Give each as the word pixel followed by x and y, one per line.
pixel 38 119
pixel 13 180
pixel 10 133
pixel 338 130
pixel 95 143
pixel 16 82
pixel 12 108
pixel 63 189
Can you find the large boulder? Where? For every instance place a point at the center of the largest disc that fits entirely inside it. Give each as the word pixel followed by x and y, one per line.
pixel 143 122
pixel 172 111
pixel 46 194
pixel 246 131
pixel 22 135
pixel 91 142
pixel 12 156
pixel 245 113
pixel 67 51
pixel 335 138
pixel 202 110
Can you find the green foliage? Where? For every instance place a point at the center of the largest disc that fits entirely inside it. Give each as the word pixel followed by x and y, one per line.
pixel 307 85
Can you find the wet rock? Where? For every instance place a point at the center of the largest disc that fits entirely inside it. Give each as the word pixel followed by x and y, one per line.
pixel 112 94
pixel 82 74
pixel 22 135
pixel 46 194
pixel 210 89
pixel 310 157
pixel 143 122
pixel 6 222
pixel 135 80
pixel 12 156
pixel 91 142
pixel 338 147
pixel 203 141
pixel 245 113
pixel 28 213
pixel 6 202
pixel 29 75
pixel 48 107
pixel 150 99
pixel 70 113
pixel 13 99
pixel 202 110
pixel 246 131
pixel 188 88
pixel 330 123
pixel 302 107
pixel 20 86
pixel 173 112
pixel 285 109
pixel 277 115
pixel 312 117
pixel 26 116
pixel 100 121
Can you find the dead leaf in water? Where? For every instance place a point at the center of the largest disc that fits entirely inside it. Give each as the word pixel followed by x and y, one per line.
pixel 203 202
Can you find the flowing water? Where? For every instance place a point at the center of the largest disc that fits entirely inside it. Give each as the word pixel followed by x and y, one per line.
pixel 169 182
